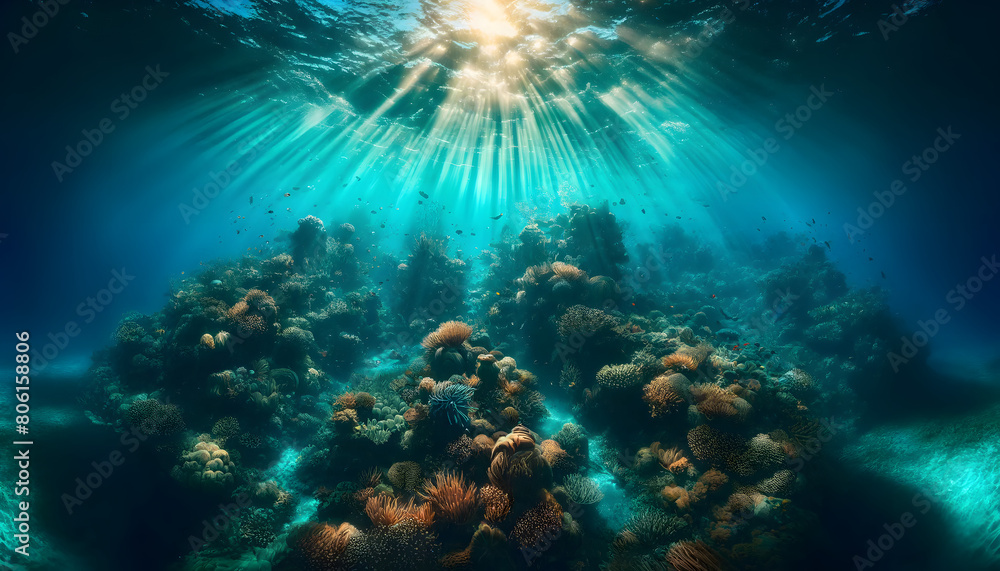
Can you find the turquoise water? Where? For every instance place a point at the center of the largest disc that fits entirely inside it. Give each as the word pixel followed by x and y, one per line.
pixel 793 186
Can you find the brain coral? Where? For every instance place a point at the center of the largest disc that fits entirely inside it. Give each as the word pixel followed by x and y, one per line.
pixel 405 475
pixel 206 465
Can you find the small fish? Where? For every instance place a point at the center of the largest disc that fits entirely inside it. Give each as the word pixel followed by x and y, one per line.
pixel 357 177
pixel 458 231
pixel 814 220
pixel 287 194
pixel 420 202
pixel 322 353
pixel 424 194
pixel 497 217
pixel 827 245
pixel 745 344
pixel 713 296
pixel 643 210
pixel 883 275
pixel 373 212
pixel 251 200
pixel 295 188
pixel 622 201
pixel 764 219
pixel 736 347
pixel 677 217
pixel 270 212
pixel 756 344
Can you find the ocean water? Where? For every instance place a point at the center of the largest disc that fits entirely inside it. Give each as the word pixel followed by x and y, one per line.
pixel 478 284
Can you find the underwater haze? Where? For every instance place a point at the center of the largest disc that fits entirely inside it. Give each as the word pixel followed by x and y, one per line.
pixel 500 284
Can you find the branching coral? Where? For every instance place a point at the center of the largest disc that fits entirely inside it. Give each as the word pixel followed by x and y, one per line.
pixel 453 499
pixel 716 402
pixel 662 396
pixel 254 313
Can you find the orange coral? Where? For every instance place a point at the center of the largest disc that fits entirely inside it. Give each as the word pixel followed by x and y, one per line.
pixel 414 415
pixel 386 510
pixel 717 402
pixel 448 334
pixel 482 445
pixel 452 498
pixel 254 313
pixel 713 479
pixel 661 396
pixel 427 385
pixel 497 502
pixel 680 360
pixel 554 454
pixel 518 440
pixel 693 556
pixel 672 459
pixel 322 547
pixel 345 401
pixel 538 522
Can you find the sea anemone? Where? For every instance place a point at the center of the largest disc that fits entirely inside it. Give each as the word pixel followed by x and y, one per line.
pixel 452 498
pixel 452 401
pixel 448 334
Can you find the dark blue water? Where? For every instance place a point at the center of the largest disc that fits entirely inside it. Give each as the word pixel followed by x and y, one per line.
pixel 440 116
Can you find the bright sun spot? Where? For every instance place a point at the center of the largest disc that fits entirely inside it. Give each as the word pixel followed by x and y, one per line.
pixel 489 19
